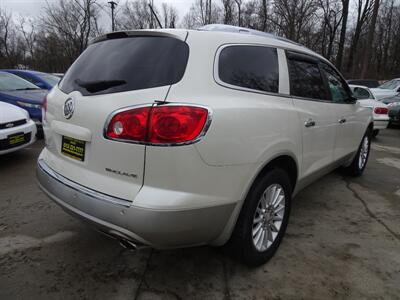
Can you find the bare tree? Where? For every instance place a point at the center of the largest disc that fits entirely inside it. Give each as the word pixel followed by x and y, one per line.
pixel 363 12
pixel 293 18
pixel 343 30
pixel 331 20
pixel 370 39
pixel 73 22
pixel 202 12
pixel 170 15
pixel 229 12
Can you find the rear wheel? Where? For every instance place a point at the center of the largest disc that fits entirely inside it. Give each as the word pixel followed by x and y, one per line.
pixel 375 132
pixel 360 160
pixel 263 219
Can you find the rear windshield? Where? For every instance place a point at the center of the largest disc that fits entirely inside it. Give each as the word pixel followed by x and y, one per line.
pixel 126 64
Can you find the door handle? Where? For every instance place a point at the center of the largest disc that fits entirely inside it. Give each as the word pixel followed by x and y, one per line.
pixel 342 120
pixel 309 123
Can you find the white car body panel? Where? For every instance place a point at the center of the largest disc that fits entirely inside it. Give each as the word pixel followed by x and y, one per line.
pixel 202 185
pixel 10 113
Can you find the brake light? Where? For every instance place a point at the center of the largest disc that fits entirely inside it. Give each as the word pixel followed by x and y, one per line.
pixel 171 124
pixel 44 108
pixel 381 110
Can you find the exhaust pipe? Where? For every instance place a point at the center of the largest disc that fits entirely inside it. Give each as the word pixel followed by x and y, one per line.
pixel 128 245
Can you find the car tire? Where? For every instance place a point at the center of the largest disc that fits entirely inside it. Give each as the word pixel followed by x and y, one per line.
pixel 375 132
pixel 272 218
pixel 357 166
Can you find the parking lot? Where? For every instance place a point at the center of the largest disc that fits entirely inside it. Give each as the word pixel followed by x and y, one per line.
pixel 343 241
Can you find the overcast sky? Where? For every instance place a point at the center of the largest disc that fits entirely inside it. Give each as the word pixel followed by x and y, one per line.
pixel 34 7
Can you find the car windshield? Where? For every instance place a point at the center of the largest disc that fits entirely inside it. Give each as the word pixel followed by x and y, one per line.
pixel 50 79
pixel 11 82
pixel 390 85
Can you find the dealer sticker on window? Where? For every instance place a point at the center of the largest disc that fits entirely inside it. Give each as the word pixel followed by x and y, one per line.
pixel 73 148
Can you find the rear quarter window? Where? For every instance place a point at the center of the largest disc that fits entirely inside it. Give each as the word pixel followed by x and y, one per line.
pixel 127 64
pixel 251 67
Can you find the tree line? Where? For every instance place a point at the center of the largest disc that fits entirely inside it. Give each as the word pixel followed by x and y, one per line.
pixel 361 37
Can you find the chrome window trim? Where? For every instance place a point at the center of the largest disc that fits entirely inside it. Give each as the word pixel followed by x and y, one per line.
pixel 196 140
pixel 80 188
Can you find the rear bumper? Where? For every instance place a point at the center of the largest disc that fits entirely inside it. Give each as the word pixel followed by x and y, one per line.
pixel 381 124
pixel 121 219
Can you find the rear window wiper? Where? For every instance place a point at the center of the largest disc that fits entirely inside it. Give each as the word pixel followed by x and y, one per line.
pixel 99 85
pixel 27 89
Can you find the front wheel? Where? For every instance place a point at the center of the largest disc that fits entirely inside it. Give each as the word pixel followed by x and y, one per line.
pixel 263 219
pixel 359 162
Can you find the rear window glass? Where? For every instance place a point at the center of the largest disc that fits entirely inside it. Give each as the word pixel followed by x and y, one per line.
pixel 252 67
pixel 127 64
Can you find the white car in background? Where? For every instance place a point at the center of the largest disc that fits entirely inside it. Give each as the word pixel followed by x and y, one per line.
pixel 388 89
pixel 17 130
pixel 379 110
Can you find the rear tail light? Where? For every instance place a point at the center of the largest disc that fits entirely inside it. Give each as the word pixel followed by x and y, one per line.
pixel 159 125
pixel 44 108
pixel 381 110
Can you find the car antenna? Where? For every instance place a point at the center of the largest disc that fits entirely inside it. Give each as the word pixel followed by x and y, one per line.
pixel 155 15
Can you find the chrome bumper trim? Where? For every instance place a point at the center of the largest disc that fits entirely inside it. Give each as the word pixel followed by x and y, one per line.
pixel 81 189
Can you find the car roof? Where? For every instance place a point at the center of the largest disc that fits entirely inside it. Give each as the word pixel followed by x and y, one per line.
pixel 360 86
pixel 236 33
pixel 23 71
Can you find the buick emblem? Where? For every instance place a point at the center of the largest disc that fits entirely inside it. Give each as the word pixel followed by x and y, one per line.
pixel 9 125
pixel 69 107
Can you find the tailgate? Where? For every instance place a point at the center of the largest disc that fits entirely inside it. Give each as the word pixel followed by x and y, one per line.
pixel 111 74
pixel 108 166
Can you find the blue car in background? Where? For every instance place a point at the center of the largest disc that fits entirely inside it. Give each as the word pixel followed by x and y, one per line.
pixel 22 93
pixel 40 79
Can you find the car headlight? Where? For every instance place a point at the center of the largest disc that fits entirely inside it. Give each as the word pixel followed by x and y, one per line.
pixel 29 105
pixel 393 104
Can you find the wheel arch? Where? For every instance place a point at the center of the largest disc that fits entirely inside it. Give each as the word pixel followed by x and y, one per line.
pixel 286 162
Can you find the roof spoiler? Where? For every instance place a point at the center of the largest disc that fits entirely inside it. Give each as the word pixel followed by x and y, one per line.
pixel 173 33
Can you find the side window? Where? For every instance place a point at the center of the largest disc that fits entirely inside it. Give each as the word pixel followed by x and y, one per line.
pixel 337 87
pixel 253 67
pixel 306 80
pixel 27 78
pixel 361 93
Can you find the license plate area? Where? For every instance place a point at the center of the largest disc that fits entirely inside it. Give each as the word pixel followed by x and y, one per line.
pixel 16 139
pixel 73 148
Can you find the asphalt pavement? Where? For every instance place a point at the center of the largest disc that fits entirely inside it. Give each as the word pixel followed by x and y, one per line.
pixel 343 241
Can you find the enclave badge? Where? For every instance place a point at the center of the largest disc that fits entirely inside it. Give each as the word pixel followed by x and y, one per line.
pixel 69 107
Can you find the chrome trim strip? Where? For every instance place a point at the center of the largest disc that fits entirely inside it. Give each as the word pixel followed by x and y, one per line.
pixel 197 139
pixel 80 188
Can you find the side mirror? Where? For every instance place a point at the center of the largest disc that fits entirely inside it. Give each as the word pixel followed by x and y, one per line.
pixel 351 100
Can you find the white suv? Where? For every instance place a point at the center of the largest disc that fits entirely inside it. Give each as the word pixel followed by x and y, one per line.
pixel 176 138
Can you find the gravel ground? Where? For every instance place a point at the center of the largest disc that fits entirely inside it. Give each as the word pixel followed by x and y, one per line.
pixel 343 241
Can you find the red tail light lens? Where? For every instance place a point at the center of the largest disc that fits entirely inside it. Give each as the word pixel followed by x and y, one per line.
pixel 176 124
pixel 172 124
pixel 129 125
pixel 381 110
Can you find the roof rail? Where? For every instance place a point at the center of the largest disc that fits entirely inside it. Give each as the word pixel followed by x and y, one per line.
pixel 237 29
